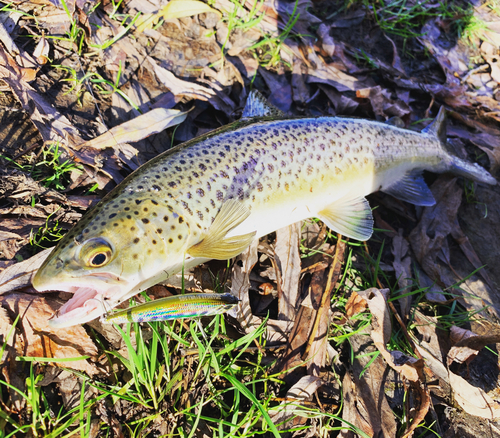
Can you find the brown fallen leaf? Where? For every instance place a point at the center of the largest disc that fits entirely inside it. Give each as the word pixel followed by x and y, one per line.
pixel 355 304
pixel 20 274
pixel 41 51
pixel 468 344
pixel 300 392
pixel 287 257
pixel 13 346
pixel 382 103
pixel 173 9
pixel 240 284
pixel 152 122
pixel 321 293
pixel 402 269
pixel 40 340
pixel 381 333
pixel 473 400
pixel 436 223
pixel 365 403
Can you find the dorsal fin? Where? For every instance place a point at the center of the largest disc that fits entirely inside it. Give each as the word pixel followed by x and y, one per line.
pixel 258 106
pixel 438 126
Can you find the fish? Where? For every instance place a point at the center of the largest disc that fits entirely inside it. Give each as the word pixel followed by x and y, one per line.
pixel 211 196
pixel 175 307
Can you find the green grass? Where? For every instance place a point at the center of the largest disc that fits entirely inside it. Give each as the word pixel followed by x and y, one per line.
pixel 48 167
pixel 47 235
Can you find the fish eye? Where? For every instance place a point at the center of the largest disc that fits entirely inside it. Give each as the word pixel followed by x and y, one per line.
pixel 96 253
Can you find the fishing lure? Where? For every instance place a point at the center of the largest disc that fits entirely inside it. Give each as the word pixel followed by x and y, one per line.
pixel 175 307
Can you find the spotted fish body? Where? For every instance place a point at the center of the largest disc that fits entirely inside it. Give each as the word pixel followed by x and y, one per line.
pixel 209 197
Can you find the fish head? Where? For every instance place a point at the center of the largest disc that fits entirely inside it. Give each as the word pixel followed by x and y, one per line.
pixel 120 248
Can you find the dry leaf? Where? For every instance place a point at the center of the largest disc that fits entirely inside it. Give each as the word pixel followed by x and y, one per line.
pixel 40 340
pixel 20 274
pixel 473 400
pixel 287 256
pixel 10 369
pixel 402 268
pixel 365 403
pixel 152 122
pixel 173 9
pixel 240 284
pixel 41 51
pixel 468 344
pixel 355 304
pixel 302 391
pixel 381 333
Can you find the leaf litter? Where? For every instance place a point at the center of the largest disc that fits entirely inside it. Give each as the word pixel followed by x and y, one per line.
pixel 101 83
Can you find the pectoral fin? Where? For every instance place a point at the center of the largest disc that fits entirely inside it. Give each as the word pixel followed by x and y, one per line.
pixel 412 188
pixel 349 217
pixel 215 244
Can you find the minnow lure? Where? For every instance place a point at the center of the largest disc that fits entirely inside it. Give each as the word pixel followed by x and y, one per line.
pixel 211 196
pixel 175 307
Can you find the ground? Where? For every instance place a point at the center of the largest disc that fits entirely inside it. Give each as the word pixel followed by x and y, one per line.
pixel 394 337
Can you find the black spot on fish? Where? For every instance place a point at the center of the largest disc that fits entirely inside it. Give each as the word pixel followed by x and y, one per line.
pixel 154 202
pixel 136 213
pixel 159 230
pixel 154 242
pixel 179 237
pixel 200 192
pixel 85 231
pixel 115 224
pixel 135 256
pixel 129 217
pixel 178 168
pixel 181 219
pixel 170 240
pixel 172 227
pixel 138 201
pixel 132 228
pixel 102 224
pixel 145 209
pixel 156 188
pixel 127 208
pixel 145 221
pixel 136 240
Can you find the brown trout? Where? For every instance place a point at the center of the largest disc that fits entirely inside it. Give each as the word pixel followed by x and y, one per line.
pixel 211 196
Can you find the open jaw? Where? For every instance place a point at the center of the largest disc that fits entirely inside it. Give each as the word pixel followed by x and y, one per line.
pixel 87 303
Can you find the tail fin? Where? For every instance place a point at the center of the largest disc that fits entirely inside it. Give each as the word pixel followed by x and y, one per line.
pixel 463 168
pixel 471 171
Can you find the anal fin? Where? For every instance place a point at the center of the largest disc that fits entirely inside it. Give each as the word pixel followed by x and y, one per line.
pixel 349 217
pixel 215 244
pixel 412 188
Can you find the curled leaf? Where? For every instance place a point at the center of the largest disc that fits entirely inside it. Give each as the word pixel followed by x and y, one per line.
pixel 152 122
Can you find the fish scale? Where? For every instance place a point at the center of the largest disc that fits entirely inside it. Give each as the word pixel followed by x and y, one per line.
pixel 209 197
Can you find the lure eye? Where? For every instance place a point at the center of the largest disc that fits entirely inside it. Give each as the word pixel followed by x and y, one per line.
pixel 96 253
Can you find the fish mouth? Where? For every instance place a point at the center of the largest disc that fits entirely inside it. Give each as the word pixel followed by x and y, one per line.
pixel 89 301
